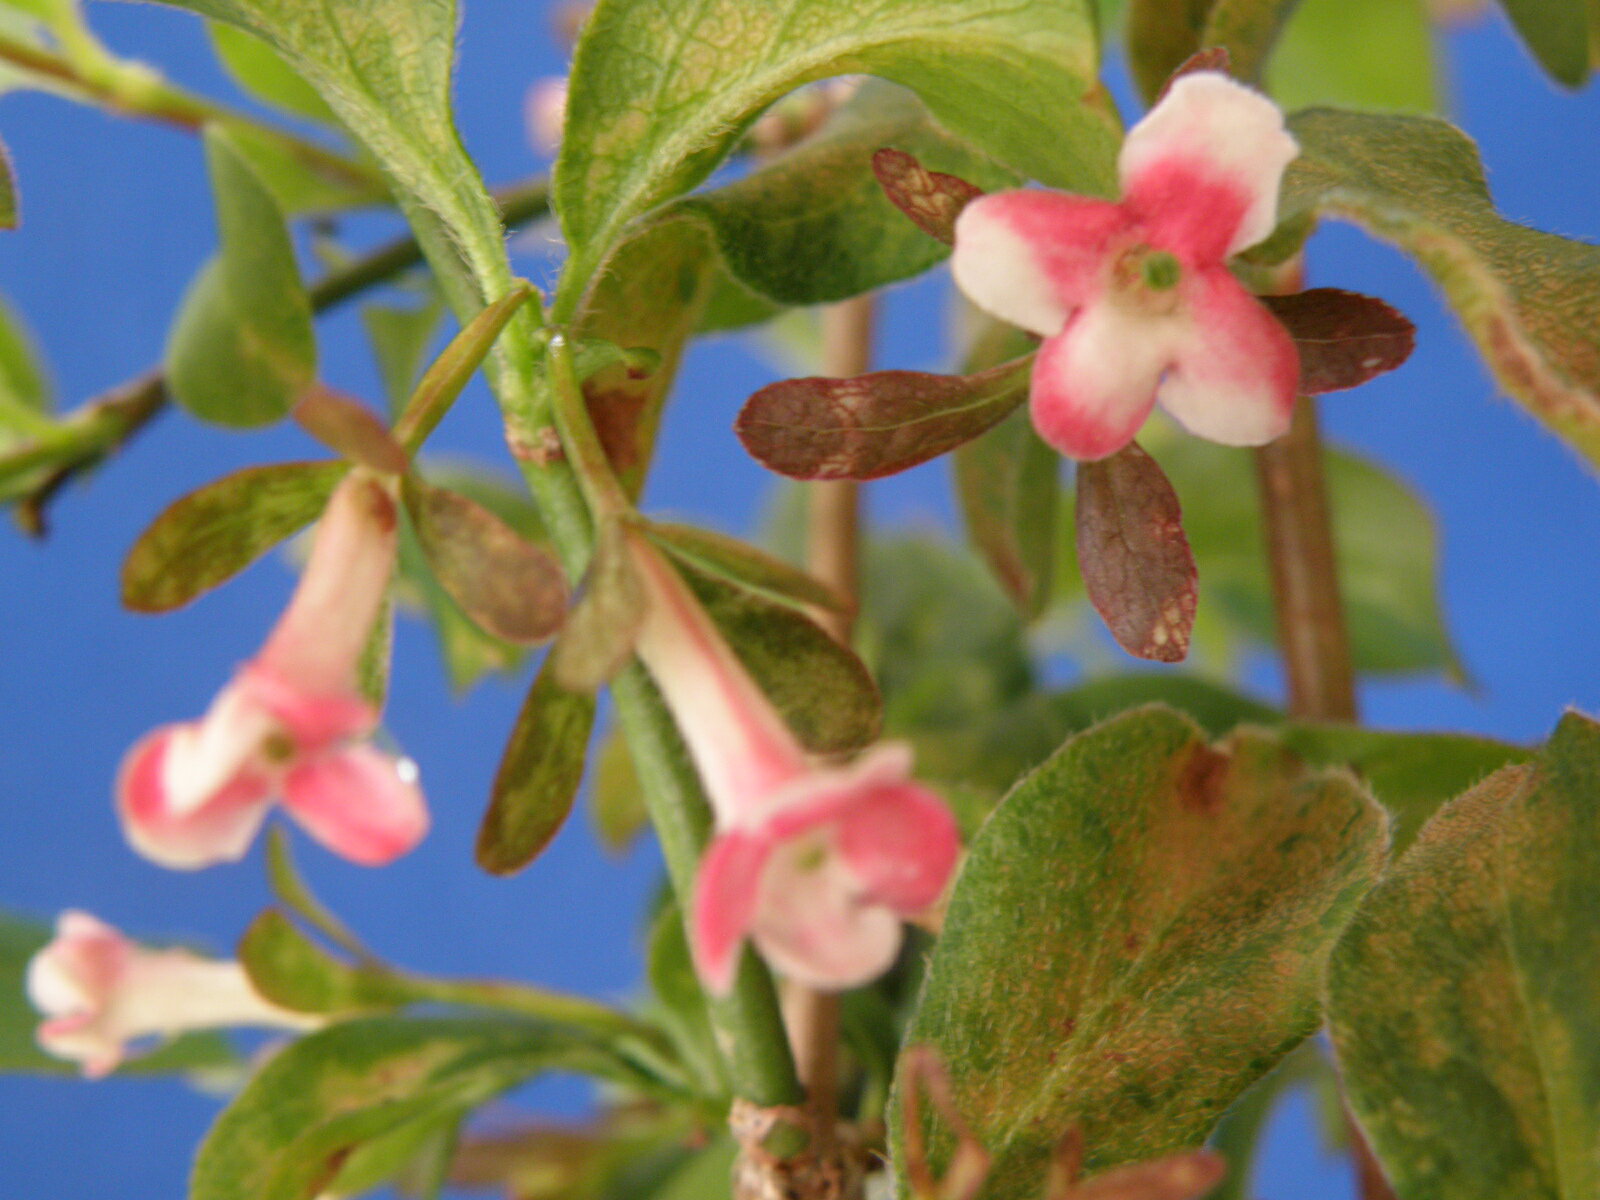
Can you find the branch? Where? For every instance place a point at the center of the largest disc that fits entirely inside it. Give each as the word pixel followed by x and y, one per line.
pixel 102 426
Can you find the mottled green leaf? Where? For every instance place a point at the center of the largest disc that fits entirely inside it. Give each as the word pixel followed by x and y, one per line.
pixel 350 429
pixel 289 1131
pixel 1009 484
pixel 1357 54
pixel 539 773
pixel 293 972
pixel 814 225
pixel 740 563
pixel 824 692
pixel 260 70
pixel 602 627
pixel 1557 32
pixel 1462 997
pixel 469 653
pixel 1138 933
pixel 242 348
pixel 213 533
pixel 660 92
pixel 1530 300
pixel 511 587
pixel 20 939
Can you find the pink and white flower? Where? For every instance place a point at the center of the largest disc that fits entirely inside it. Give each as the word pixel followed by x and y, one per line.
pixel 1134 299
pixel 99 992
pixel 818 865
pixel 292 723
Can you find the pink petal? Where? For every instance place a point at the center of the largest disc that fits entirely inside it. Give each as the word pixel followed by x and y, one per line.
pixel 1234 377
pixel 1201 172
pixel 1094 385
pixel 314 720
pixel 219 829
pixel 1031 257
pixel 80 1038
pixel 813 925
pixel 359 802
pixel 902 845
pixel 725 891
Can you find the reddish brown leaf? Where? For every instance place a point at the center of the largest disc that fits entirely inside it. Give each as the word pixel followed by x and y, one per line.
pixel 350 429
pixel 1212 58
pixel 1176 1177
pixel 1135 559
pixel 1344 338
pixel 878 424
pixel 510 587
pixel 932 199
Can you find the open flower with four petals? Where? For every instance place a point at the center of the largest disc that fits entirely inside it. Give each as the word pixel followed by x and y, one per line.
pixel 292 723
pixel 1134 299
pixel 817 864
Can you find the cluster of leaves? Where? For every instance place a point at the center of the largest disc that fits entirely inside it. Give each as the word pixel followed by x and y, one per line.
pixel 1161 871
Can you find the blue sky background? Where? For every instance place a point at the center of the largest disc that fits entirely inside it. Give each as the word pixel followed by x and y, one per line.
pixel 116 219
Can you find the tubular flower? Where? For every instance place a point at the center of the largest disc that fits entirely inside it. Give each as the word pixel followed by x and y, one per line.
pixel 818 865
pixel 1134 300
pixel 99 991
pixel 291 723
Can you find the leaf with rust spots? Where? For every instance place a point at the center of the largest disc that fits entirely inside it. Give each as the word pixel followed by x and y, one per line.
pixel 1530 300
pixel 1136 563
pixel 1462 998
pixel 1230 909
pixel 512 588
pixel 213 533
pixel 328 1094
pixel 1344 338
pixel 932 199
pixel 877 424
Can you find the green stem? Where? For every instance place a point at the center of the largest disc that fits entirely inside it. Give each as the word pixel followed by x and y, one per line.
pixel 134 90
pixel 587 455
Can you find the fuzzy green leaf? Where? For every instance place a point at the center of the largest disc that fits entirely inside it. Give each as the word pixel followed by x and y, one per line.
pixel 242 348
pixel 539 774
pixel 815 225
pixel 1462 997
pixel 1530 300
pixel 213 533
pixel 661 90
pixel 287 1134
pixel 261 71
pixel 1138 933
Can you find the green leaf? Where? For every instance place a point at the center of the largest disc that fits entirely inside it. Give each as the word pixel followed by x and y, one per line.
pixel 682 1001
pixel 511 587
pixel 539 774
pixel 876 424
pixel 1009 484
pixel 20 940
pixel 598 638
pixel 825 693
pixel 1411 773
pixel 292 891
pixel 300 182
pixel 287 1134
pixel 815 225
pixel 215 532
pixel 1557 31
pixel 293 972
pixel 1530 300
pixel 242 348
pixel 1161 35
pixel 1462 996
pixel 660 93
pixel 616 800
pixel 1138 933
pixel 8 191
pixel 1357 54
pixel 468 652
pixel 25 392
pixel 1384 534
pixel 350 429
pixel 260 70
pixel 400 336
pixel 1247 30
pixel 740 563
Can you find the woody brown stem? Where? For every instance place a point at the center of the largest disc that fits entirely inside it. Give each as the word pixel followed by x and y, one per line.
pixel 833 543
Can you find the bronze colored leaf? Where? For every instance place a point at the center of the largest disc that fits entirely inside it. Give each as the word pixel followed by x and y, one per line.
pixel 932 199
pixel 1344 338
pixel 350 429
pixel 1136 563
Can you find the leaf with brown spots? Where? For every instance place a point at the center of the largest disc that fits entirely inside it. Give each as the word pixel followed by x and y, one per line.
pixel 1463 997
pixel 877 424
pixel 1344 338
pixel 1118 957
pixel 932 199
pixel 1135 560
